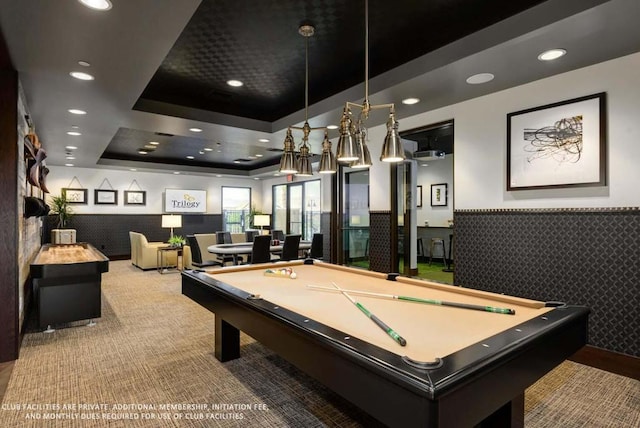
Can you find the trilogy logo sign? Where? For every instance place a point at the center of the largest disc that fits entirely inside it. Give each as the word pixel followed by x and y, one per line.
pixel 187 201
pixel 177 200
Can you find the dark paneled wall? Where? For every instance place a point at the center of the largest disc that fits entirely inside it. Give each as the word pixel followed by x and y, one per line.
pixel 110 232
pixel 9 312
pixel 325 227
pixel 380 241
pixel 579 256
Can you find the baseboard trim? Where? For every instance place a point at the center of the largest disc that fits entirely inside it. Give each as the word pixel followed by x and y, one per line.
pixel 614 362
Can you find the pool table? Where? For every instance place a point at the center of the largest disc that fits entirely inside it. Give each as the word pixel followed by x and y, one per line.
pixel 459 367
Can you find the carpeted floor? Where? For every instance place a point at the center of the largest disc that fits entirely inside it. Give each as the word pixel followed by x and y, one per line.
pixel 151 356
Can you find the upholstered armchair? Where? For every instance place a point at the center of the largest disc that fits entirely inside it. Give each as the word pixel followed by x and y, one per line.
pixel 144 254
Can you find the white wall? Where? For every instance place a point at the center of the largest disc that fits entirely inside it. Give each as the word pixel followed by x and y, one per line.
pixel 153 183
pixel 435 172
pixel 480 139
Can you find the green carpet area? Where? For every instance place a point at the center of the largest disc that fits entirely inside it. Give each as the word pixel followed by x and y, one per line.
pixel 432 272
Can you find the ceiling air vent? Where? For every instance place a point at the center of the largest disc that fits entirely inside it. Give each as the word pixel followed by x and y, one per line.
pixel 428 155
pixel 162 134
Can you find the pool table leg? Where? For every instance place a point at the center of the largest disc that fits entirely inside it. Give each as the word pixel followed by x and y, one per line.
pixel 509 415
pixel 227 341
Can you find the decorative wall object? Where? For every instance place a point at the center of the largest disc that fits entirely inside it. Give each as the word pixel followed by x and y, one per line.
pixel 418 196
pixel 135 197
pixel 75 195
pixel 185 201
pixel 439 195
pixel 105 197
pixel 558 145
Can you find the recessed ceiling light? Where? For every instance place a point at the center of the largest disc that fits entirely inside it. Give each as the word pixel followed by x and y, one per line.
pixel 195 129
pixel 149 146
pixel 551 54
pixel 236 161
pixel 97 4
pixel 332 126
pixel 142 152
pixel 256 178
pixel 218 175
pixel 70 157
pixel 70 147
pixel 132 169
pixel 234 83
pixel 80 75
pixel 74 133
pixel 208 149
pixel 276 175
pixel 154 143
pixel 189 157
pixel 76 111
pixel 176 172
pixel 410 101
pixel 264 140
pixel 425 164
pixel 258 155
pixel 68 164
pixel 201 152
pixel 219 151
pixel 74 127
pixel 84 63
pixel 479 78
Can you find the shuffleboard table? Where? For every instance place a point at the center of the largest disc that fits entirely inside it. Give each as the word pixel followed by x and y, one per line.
pixel 459 366
pixel 67 282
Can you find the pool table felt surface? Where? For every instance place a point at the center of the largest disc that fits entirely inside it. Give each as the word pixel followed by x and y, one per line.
pixel 431 331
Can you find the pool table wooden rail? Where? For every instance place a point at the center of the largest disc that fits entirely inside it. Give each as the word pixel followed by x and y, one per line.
pixel 486 379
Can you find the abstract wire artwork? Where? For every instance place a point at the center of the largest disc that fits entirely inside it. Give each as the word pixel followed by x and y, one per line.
pixel 561 142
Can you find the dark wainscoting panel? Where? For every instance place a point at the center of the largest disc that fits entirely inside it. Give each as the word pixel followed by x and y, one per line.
pixel 110 232
pixel 585 257
pixel 379 241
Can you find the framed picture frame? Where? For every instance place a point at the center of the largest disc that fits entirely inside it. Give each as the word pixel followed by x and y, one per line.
pixel 135 197
pixel 439 195
pixel 558 145
pixel 105 197
pixel 418 196
pixel 75 196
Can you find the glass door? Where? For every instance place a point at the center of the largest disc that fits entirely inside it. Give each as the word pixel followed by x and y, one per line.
pixel 295 209
pixel 356 220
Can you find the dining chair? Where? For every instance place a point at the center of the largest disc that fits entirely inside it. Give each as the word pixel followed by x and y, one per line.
pixel 196 254
pixel 277 234
pixel 225 238
pixel 290 248
pixel 316 251
pixel 250 234
pixel 260 251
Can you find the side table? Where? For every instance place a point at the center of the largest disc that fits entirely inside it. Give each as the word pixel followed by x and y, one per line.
pixel 161 258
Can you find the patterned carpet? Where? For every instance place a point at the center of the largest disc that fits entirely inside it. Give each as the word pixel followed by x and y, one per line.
pixel 149 362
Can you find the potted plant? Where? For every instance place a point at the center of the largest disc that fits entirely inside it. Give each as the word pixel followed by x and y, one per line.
pixel 176 241
pixel 60 207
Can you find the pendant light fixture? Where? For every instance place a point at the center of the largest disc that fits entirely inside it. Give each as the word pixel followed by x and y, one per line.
pixel 301 166
pixel 352 145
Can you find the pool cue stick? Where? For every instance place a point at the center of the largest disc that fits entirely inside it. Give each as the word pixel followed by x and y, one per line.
pixel 395 336
pixel 492 309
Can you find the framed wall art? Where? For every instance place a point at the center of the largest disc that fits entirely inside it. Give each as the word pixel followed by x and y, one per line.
pixel 135 197
pixel 439 195
pixel 75 196
pixel 418 196
pixel 105 197
pixel 558 145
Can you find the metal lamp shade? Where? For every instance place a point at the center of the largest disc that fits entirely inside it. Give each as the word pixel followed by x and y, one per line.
pixel 392 150
pixel 346 147
pixel 288 163
pixel 327 159
pixel 304 163
pixel 364 157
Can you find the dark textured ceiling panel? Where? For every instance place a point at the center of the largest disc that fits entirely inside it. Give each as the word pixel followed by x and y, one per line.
pixel 174 149
pixel 257 42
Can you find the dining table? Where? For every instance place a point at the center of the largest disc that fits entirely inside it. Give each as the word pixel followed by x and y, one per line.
pixel 239 248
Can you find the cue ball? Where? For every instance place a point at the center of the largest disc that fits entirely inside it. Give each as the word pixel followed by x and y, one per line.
pixel 293 275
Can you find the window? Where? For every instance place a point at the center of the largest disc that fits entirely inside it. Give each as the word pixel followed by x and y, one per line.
pixel 236 204
pixel 296 208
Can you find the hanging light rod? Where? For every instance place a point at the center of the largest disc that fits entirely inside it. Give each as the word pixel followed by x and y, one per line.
pixel 352 147
pixel 301 165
